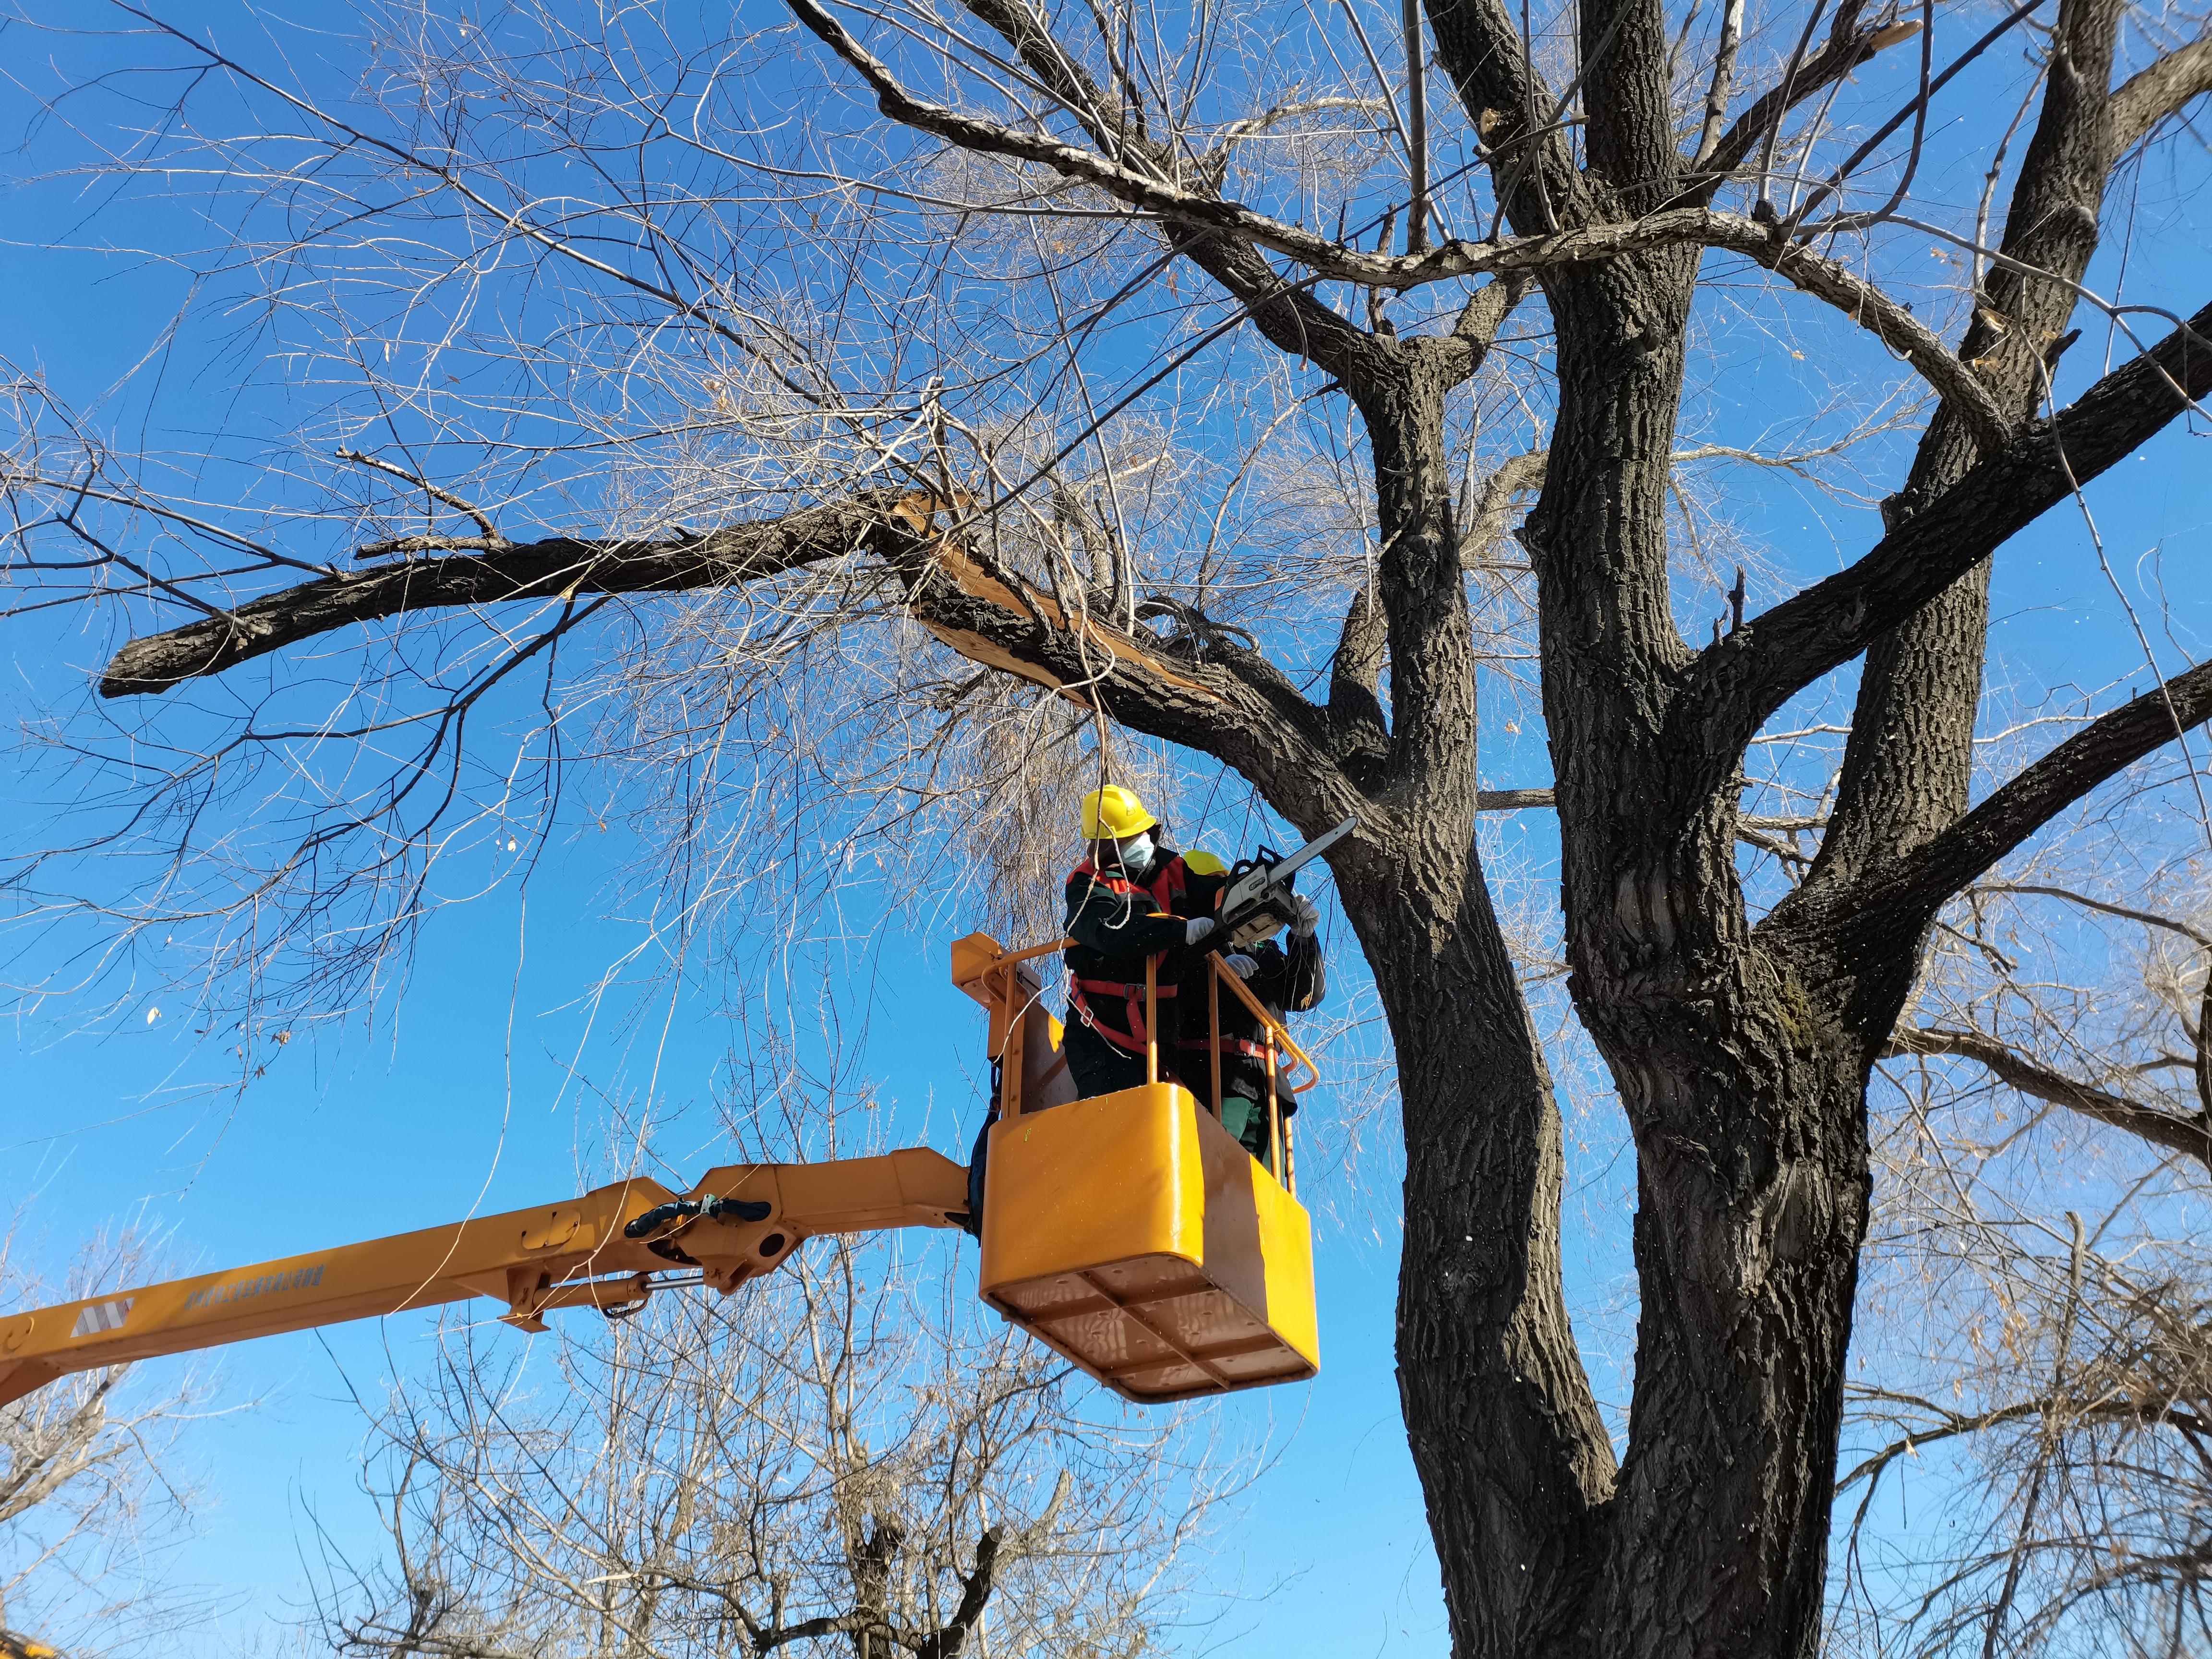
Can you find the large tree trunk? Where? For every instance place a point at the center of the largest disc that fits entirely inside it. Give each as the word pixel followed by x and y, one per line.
pixel 1742 1092
pixel 1512 1454
pixel 1752 1185
pixel 1513 1457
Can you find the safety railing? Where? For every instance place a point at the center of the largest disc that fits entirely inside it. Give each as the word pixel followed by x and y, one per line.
pixel 1023 1080
pixel 1282 1161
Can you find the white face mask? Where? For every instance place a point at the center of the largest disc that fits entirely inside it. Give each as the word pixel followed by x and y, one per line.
pixel 1136 854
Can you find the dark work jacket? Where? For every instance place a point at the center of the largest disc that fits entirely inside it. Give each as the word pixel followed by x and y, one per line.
pixel 1116 925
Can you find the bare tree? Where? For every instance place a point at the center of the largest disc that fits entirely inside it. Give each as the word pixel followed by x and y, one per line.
pixel 994 354
pixel 845 1460
pixel 92 1494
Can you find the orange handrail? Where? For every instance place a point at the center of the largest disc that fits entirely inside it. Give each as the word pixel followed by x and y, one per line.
pixel 1152 1020
pixel 985 969
pixel 1274 1027
pixel 1011 957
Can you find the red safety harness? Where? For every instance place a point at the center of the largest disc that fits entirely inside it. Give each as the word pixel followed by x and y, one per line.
pixel 1164 889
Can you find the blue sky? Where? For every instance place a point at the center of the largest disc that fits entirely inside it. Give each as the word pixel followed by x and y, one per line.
pixel 456 1103
pixel 462 1093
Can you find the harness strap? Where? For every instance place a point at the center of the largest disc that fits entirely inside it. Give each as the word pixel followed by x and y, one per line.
pixel 1136 1036
pixel 1121 987
pixel 1165 887
pixel 1168 884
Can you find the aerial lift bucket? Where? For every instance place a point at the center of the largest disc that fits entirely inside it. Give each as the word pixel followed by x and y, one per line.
pixel 1131 1232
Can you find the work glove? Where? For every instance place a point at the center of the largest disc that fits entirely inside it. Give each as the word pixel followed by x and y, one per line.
pixel 1309 917
pixel 1244 966
pixel 1196 929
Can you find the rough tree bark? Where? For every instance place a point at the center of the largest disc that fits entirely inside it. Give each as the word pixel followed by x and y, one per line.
pixel 1741 1051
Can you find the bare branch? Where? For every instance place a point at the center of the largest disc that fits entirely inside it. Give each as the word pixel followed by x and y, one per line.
pixel 974 1595
pixel 1513 479
pixel 1850 44
pixel 1917 107
pixel 2106 747
pixel 2161 90
pixel 1722 84
pixel 1355 705
pixel 492 538
pixel 2146 917
pixel 560 566
pixel 1955 1424
pixel 1743 679
pixel 2193 1135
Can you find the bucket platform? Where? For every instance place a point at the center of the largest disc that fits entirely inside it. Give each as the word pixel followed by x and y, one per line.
pixel 1130 1232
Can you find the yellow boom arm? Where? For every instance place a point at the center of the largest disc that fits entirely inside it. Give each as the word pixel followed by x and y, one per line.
pixel 576 1254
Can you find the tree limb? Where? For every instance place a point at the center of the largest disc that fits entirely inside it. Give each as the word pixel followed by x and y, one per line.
pixel 545 569
pixel 1532 162
pixel 975 1594
pixel 1286 313
pixel 1355 706
pixel 1629 138
pixel 2161 90
pixel 1721 84
pixel 2148 919
pixel 1246 719
pixel 2121 1409
pixel 1246 712
pixel 1850 44
pixel 1874 311
pixel 1515 476
pixel 1487 308
pixel 1736 684
pixel 2107 747
pixel 2193 1135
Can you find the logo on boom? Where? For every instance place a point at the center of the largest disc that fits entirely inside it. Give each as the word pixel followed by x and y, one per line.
pixel 293 1278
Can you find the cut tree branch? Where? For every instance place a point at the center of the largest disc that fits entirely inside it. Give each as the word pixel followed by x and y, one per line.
pixel 1233 704
pixel 1253 720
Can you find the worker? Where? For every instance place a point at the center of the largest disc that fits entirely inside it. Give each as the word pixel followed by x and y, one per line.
pixel 1122 905
pixel 1286 981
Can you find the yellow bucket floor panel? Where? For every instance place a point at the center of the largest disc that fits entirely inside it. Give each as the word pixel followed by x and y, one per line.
pixel 1153 1327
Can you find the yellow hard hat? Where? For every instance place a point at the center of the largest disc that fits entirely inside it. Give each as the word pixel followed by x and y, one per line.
pixel 1114 814
pixel 1203 863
